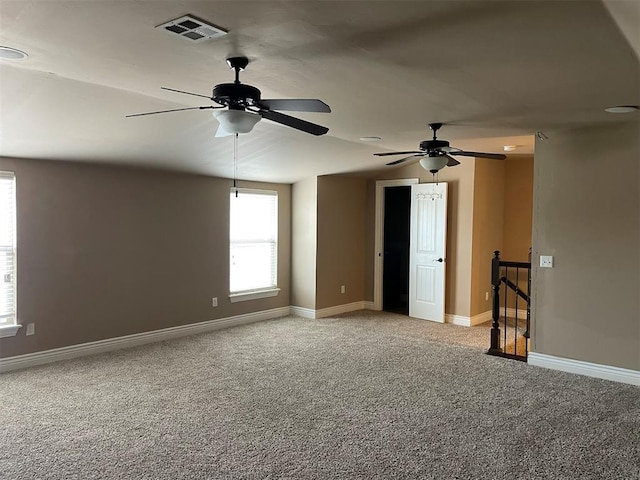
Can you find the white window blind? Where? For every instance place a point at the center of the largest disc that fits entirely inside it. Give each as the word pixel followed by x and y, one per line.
pixel 253 240
pixel 7 248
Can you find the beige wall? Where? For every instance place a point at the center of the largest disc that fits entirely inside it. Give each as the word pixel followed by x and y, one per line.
pixel 587 215
pixel 488 223
pixel 108 251
pixel 304 231
pixel 341 240
pixel 518 208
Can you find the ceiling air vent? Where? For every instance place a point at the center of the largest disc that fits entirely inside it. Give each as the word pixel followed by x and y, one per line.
pixel 192 29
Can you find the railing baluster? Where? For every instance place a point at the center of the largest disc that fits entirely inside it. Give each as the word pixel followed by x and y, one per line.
pixel 515 329
pixel 495 349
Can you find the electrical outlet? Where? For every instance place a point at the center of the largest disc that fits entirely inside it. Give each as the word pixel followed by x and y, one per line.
pixel 342 289
pixel 31 329
pixel 214 302
pixel 546 261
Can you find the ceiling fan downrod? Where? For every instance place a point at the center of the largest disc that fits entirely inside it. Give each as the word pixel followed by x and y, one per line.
pixel 238 64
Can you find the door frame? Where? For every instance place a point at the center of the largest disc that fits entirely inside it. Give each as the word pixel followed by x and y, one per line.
pixel 379 234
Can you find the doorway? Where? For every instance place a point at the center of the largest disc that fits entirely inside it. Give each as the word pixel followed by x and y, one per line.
pixel 397 227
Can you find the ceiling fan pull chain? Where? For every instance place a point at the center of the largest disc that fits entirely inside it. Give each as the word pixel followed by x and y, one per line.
pixel 235 163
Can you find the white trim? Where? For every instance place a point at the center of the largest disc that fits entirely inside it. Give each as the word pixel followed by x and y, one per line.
pixel 128 341
pixel 606 372
pixel 379 230
pixel 468 321
pixel 303 312
pixel 481 318
pixel 459 320
pixel 253 295
pixel 369 305
pixel 330 311
pixel 9 330
pixel 339 309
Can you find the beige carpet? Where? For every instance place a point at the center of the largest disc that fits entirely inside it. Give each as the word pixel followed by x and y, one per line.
pixel 366 395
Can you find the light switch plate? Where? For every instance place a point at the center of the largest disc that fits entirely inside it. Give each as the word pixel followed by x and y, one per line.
pixel 546 261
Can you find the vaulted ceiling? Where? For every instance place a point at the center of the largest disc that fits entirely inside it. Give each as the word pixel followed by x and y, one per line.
pixel 494 72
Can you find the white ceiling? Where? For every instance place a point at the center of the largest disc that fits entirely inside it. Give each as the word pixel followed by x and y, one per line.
pixel 494 72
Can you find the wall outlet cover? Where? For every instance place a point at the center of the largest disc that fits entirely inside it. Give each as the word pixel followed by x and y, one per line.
pixel 546 261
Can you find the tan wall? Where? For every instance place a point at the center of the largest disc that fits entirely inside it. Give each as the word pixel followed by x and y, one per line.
pixel 488 223
pixel 518 208
pixel 587 215
pixel 459 229
pixel 341 240
pixel 304 218
pixel 109 251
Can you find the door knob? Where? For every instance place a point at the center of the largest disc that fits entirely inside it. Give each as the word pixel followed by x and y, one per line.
pixel 438 260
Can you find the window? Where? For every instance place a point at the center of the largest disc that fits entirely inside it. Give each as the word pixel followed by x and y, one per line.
pixel 253 240
pixel 8 321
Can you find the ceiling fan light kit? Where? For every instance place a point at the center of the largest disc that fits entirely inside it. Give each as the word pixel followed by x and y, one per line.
pixel 236 121
pixel 434 163
pixel 435 154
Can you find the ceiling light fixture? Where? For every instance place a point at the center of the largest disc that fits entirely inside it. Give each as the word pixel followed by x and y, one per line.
pixel 236 121
pixel 434 162
pixel 12 53
pixel 622 109
pixel 370 139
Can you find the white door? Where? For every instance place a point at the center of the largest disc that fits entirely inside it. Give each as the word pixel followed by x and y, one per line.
pixel 427 251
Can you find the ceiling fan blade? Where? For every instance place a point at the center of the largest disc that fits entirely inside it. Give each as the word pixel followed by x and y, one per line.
pixel 172 110
pixel 296 105
pixel 493 156
pixel 402 160
pixel 293 122
pixel 397 153
pixel 449 150
pixel 186 93
pixel 452 162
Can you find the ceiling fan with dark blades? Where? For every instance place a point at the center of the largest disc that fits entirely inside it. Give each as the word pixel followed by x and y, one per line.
pixel 240 106
pixel 436 154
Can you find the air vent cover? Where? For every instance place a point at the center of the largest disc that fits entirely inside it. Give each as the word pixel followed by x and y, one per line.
pixel 192 29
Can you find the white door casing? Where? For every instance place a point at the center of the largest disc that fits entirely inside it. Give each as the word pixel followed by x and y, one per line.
pixel 427 255
pixel 379 234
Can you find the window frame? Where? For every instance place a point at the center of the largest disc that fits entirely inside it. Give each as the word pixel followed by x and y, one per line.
pixel 9 326
pixel 267 290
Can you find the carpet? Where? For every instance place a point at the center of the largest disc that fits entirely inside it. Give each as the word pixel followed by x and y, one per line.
pixel 362 395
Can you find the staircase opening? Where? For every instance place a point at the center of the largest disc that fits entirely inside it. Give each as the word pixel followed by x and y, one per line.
pixel 510 310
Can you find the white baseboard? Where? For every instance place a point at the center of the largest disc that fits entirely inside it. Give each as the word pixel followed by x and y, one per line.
pixel 459 320
pixel 330 311
pixel 128 341
pixel 468 321
pixel 339 309
pixel 606 372
pixel 369 305
pixel 303 312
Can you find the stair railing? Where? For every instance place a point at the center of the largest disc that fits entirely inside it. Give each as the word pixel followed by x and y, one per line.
pixel 503 274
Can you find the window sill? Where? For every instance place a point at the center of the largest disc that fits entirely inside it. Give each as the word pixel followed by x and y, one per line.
pixel 253 294
pixel 9 330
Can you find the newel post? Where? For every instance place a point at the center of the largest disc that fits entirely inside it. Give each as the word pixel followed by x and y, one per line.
pixel 495 310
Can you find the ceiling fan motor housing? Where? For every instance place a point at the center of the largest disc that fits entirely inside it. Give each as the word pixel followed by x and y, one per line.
pixel 428 145
pixel 236 95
